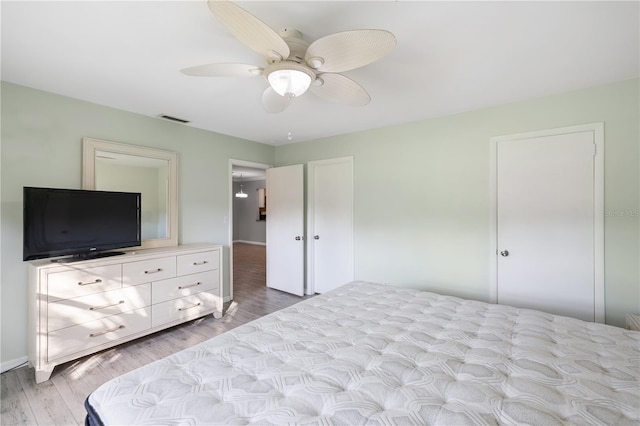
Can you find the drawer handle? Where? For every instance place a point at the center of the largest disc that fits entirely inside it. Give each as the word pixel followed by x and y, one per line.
pixel 154 271
pixel 204 262
pixel 97 281
pixel 190 307
pixel 100 333
pixel 95 308
pixel 182 287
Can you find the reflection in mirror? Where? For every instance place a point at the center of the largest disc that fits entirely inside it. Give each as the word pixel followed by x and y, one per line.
pixel 132 173
pixel 112 166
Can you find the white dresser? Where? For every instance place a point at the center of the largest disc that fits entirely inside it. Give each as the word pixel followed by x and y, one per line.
pixel 79 308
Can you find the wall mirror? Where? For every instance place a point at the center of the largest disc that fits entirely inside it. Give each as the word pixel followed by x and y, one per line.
pixel 113 166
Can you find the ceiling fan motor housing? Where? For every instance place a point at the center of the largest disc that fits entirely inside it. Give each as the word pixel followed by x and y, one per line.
pixel 296 44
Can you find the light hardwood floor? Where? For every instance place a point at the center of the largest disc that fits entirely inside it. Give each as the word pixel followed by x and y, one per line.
pixel 59 401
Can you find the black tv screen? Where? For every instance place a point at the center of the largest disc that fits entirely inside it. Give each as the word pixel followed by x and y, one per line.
pixel 81 223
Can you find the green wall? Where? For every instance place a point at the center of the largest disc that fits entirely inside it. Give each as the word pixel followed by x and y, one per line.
pixel 42 146
pixel 422 192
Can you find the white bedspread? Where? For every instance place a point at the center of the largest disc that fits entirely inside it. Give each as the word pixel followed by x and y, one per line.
pixel 372 354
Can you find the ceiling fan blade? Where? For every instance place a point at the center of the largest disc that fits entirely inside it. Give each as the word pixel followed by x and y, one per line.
pixel 341 89
pixel 223 70
pixel 254 33
pixel 348 50
pixel 273 102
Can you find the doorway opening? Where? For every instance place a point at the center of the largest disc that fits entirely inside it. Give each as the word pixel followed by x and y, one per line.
pixel 247 225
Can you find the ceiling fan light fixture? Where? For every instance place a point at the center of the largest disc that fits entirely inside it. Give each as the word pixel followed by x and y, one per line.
pixel 289 79
pixel 289 82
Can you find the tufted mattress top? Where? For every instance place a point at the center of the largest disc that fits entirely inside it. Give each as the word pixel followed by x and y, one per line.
pixel 372 354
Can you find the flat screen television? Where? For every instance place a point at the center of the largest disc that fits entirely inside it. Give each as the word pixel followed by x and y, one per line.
pixel 80 223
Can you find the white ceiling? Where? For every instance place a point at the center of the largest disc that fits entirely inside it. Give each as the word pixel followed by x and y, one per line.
pixel 451 57
pixel 242 173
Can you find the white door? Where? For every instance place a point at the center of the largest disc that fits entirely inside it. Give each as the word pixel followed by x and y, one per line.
pixel 285 229
pixel 546 224
pixel 330 202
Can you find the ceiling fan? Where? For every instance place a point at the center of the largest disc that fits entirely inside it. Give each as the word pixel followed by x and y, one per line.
pixel 295 66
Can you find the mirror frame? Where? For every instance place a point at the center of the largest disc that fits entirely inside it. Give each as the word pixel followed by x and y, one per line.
pixel 89 148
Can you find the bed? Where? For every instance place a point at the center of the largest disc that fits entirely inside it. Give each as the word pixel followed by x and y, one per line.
pixel 374 354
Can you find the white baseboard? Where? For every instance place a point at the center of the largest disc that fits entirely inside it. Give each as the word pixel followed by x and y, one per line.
pixel 8 365
pixel 250 242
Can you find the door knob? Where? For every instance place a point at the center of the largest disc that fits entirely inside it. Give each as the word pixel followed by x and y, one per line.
pixel 504 253
pixel 316 237
pixel 298 238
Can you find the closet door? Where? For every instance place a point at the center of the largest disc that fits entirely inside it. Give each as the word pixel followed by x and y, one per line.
pixel 330 212
pixel 285 229
pixel 547 239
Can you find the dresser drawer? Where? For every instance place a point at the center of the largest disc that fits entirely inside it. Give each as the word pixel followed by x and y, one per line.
pixel 184 308
pixel 184 286
pixel 198 262
pixel 72 283
pixel 69 312
pixel 145 271
pixel 84 336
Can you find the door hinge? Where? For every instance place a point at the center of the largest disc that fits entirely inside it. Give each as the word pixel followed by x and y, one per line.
pixel 595 149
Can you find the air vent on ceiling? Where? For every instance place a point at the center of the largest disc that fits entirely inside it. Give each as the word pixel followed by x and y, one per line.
pixel 168 117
